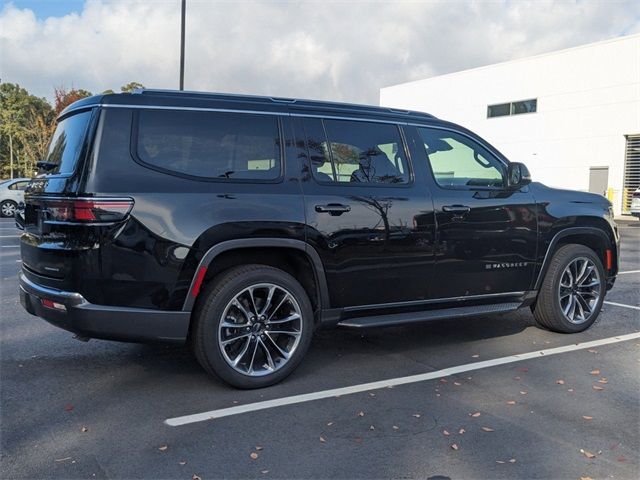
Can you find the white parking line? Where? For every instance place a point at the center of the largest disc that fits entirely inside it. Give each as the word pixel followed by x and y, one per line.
pixel 622 305
pixel 10 246
pixel 9 236
pixel 630 271
pixel 308 397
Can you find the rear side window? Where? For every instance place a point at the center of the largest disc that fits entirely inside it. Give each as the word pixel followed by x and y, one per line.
pixel 355 152
pixel 66 144
pixel 210 144
pixel 18 186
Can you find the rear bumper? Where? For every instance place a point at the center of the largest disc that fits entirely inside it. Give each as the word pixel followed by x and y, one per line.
pixel 75 314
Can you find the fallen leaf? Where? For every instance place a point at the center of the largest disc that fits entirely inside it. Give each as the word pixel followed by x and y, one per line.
pixel 511 402
pixel 500 461
pixel 457 384
pixel 587 454
pixel 264 471
pixel 322 440
pixel 603 380
pixel 182 463
pixel 371 427
pixel 523 369
pixel 454 446
pixel 560 382
pixel 443 380
pixel 487 429
pixel 253 455
pixel 62 459
pixel 516 378
pixel 523 392
pixel 329 424
pixel 592 350
pixel 444 432
pixel 475 356
pixel 570 390
pixel 475 415
pixel 587 417
pixel 513 460
pixel 196 477
pixel 395 427
pixel 361 414
pixel 597 387
pixel 259 447
pixel 163 448
pixel 372 394
pixel 84 429
pixel 586 478
pixel 461 431
pixel 417 415
pixel 595 372
pixel 68 407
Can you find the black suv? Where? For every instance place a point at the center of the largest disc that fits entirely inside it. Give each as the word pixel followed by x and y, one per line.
pixel 241 224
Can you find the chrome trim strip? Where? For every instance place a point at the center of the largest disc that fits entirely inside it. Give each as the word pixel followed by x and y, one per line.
pixel 431 301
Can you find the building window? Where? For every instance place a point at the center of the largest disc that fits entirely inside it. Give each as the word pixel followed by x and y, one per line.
pixel 512 108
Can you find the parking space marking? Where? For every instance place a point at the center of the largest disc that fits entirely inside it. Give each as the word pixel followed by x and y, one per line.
pixel 622 305
pixel 308 397
pixel 630 271
pixel 10 246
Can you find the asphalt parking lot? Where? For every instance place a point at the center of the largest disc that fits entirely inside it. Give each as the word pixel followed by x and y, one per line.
pixel 104 410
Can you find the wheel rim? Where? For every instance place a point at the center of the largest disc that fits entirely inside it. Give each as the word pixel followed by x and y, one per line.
pixel 260 329
pixel 8 209
pixel 579 290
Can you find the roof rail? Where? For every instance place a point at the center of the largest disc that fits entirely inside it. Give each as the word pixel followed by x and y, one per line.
pixel 397 111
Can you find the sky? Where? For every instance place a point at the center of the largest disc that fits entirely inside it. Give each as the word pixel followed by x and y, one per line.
pixel 342 51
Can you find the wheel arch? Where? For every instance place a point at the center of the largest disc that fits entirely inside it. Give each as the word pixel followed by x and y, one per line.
pixel 594 237
pixel 280 250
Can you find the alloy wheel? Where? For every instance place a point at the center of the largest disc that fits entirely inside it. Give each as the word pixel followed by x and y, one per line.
pixel 8 209
pixel 579 290
pixel 260 329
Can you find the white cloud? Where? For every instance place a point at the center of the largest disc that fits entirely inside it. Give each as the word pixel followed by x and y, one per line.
pixel 328 50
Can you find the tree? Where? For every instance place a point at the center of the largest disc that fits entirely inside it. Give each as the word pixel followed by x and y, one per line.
pixel 22 116
pixel 63 97
pixel 130 87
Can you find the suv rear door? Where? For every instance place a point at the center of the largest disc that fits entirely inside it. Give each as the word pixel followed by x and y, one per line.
pixel 487 234
pixel 367 217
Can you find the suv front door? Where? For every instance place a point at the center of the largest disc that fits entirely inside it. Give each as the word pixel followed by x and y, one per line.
pixel 370 221
pixel 486 233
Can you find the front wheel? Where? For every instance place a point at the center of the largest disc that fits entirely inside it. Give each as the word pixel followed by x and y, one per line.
pixel 573 290
pixel 8 208
pixel 253 326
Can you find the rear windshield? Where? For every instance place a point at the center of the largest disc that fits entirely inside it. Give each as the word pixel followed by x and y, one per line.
pixel 66 144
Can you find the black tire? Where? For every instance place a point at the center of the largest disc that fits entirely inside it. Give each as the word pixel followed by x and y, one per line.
pixel 547 310
pixel 4 205
pixel 211 307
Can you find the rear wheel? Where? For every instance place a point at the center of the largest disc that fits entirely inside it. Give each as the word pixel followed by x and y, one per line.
pixel 8 208
pixel 573 290
pixel 253 326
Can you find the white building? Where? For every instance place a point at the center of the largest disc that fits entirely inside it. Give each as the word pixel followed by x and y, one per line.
pixel 572 116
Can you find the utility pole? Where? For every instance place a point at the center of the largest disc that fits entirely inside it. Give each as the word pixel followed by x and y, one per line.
pixel 182 25
pixel 11 153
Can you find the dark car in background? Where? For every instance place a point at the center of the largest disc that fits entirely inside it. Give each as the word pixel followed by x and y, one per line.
pixel 241 224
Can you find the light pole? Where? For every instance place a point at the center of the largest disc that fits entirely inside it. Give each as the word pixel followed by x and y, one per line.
pixel 182 23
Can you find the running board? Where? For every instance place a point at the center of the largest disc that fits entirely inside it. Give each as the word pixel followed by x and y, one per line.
pixel 423 316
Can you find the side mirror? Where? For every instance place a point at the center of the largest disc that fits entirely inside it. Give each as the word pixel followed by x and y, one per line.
pixel 518 175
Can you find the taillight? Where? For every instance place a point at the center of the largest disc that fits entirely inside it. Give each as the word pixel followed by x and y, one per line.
pixel 86 210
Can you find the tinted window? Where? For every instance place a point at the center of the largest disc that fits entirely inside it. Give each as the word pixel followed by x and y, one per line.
pixel 459 162
pixel 500 110
pixel 66 143
pixel 525 106
pixel 18 186
pixel 210 144
pixel 357 152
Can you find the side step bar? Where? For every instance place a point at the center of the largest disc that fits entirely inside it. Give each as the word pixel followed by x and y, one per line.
pixel 413 317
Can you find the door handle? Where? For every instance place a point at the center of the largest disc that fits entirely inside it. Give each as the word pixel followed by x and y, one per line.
pixel 333 209
pixel 456 209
